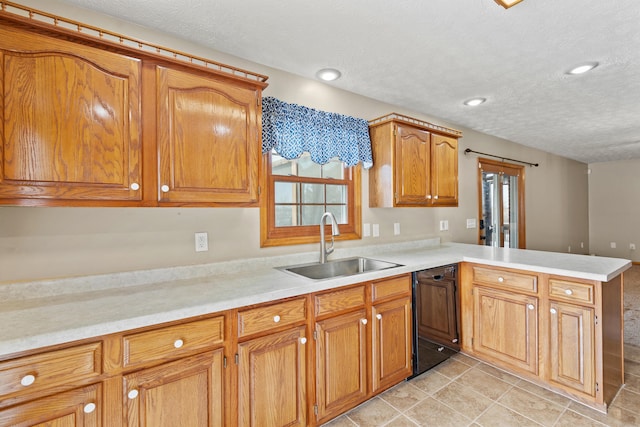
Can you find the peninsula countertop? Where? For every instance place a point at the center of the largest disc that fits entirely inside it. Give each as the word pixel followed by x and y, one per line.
pixel 48 312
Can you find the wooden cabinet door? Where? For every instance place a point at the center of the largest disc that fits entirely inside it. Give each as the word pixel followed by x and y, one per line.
pixel 69 120
pixel 76 408
pixel 341 363
pixel 272 380
pixel 444 170
pixel 208 139
pixel 391 343
pixel 505 327
pixel 412 166
pixel 437 319
pixel 572 347
pixel 187 392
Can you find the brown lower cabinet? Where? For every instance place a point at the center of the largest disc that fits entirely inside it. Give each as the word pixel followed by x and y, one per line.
pixel 295 362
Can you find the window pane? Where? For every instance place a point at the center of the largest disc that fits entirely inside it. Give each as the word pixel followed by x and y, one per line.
pixel 333 169
pixel 286 215
pixel 337 194
pixel 307 168
pixel 281 166
pixel 311 215
pixel 286 192
pixel 340 212
pixel 312 193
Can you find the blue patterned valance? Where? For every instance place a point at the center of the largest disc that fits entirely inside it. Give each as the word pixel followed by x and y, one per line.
pixel 292 129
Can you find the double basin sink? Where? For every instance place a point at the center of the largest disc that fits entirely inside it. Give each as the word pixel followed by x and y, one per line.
pixel 338 268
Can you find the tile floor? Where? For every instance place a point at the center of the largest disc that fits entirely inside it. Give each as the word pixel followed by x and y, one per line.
pixel 465 392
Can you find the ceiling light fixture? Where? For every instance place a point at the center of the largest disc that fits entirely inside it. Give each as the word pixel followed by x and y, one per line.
pixel 507 3
pixel 474 101
pixel 583 68
pixel 328 74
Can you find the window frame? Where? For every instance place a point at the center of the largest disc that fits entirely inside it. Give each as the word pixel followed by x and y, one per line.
pixel 270 235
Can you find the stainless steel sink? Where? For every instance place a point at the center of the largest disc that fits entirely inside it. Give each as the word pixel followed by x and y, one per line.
pixel 338 268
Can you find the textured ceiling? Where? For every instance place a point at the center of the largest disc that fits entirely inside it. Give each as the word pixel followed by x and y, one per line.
pixel 431 55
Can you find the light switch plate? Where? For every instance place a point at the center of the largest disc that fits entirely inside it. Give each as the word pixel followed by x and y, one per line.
pixel 366 229
pixel 396 228
pixel 444 225
pixel 376 230
pixel 471 223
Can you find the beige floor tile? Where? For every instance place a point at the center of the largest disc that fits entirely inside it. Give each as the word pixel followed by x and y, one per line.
pixel 632 353
pixel 627 399
pixel 499 416
pixel 531 406
pixel 484 383
pixel 463 399
pixel 451 368
pixel 631 367
pixel 615 417
pixel 401 421
pixel 573 419
pixel 430 412
pixel 498 373
pixel 403 396
pixel 543 392
pixel 341 421
pixel 632 382
pixel 430 381
pixel 375 412
pixel 467 360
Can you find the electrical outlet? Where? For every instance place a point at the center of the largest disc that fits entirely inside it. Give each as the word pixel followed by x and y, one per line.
pixel 632 246
pixel 569 250
pixel 396 228
pixel 444 225
pixel 376 230
pixel 613 245
pixel 366 229
pixel 202 242
pixel 581 245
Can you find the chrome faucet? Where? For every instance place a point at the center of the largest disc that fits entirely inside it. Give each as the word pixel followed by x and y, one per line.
pixel 335 231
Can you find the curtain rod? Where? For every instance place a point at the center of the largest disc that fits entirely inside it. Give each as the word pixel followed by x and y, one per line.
pixel 469 150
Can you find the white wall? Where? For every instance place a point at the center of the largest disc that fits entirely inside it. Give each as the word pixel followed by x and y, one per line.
pixel 53 242
pixel 614 208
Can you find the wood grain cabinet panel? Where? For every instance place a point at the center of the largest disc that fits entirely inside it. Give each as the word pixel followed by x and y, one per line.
pixel 208 139
pixel 75 408
pixel 272 377
pixel 187 392
pixel 444 170
pixel 70 120
pixel 265 318
pixel 413 178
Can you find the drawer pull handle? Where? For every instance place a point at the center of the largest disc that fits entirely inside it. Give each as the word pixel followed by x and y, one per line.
pixel 27 380
pixel 178 343
pixel 89 408
pixel 364 321
pixel 500 279
pixel 134 186
pixel 568 292
pixel 132 394
pixel 379 316
pixel 553 311
pixel 454 340
pixel 276 318
pixel 165 188
pixel 531 306
pixel 303 340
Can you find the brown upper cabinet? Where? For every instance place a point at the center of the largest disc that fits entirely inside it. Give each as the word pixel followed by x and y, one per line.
pixel 415 163
pixel 93 118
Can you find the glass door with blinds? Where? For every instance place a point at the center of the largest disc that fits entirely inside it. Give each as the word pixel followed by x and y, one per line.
pixel 501 205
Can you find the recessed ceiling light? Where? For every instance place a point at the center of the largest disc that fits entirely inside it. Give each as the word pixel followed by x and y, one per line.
pixel 474 101
pixel 328 74
pixel 583 68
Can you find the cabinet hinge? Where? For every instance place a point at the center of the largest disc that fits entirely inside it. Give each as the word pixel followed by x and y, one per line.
pixel 237 359
pixel 595 320
pixel 315 335
pixel 315 409
pixel 224 362
pixel 597 387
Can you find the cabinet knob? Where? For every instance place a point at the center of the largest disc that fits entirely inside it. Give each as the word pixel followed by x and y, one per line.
pixel 531 306
pixel 553 311
pixel 435 197
pixel 454 340
pixel 364 321
pixel 276 318
pixel 89 408
pixel 178 343
pixel 135 186
pixel 379 316
pixel 27 380
pixel 500 279
pixel 303 340
pixel 132 394
pixel 568 292
pixel 165 188
pixel 429 196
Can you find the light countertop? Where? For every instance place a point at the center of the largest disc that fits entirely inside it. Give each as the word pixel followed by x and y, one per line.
pixel 49 312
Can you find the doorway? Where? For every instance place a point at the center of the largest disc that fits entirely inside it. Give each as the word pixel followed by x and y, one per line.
pixel 501 204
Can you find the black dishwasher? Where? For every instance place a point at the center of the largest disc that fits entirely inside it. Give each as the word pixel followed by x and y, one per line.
pixel 435 317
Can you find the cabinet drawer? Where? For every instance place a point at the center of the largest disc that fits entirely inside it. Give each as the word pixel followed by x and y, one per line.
pixel 571 291
pixel 172 341
pixel 262 319
pixel 398 286
pixel 506 279
pixel 41 371
pixel 336 301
